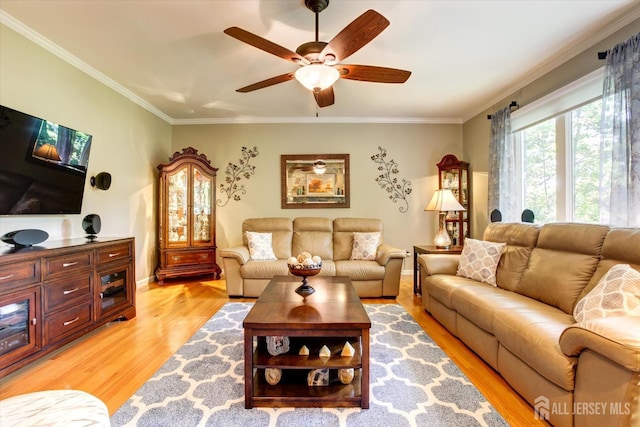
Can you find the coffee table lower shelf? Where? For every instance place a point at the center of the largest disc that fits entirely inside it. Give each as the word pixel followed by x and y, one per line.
pixel 294 393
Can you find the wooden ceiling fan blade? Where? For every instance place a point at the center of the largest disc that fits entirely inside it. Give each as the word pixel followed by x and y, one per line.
pixel 324 98
pixel 354 36
pixel 266 83
pixel 264 44
pixel 370 73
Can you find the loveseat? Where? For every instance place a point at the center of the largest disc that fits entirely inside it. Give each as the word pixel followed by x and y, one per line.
pixel 330 239
pixel 573 373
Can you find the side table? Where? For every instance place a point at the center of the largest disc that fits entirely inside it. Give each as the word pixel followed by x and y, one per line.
pixel 427 249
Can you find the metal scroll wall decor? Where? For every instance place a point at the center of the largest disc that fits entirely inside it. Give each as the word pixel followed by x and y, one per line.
pixel 234 173
pixel 398 189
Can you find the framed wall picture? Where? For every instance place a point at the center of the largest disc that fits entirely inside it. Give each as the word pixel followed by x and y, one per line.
pixel 314 181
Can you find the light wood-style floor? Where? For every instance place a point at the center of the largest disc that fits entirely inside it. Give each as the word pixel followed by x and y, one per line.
pixel 115 360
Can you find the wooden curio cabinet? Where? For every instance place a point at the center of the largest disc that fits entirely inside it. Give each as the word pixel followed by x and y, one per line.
pixel 187 217
pixel 454 174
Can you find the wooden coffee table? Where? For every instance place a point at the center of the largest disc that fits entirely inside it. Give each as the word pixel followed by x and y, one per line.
pixel 332 315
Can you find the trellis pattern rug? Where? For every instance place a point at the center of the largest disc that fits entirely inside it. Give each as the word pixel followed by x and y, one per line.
pixel 413 383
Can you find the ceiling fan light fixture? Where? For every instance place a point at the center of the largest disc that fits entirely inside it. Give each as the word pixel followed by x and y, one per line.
pixel 317 77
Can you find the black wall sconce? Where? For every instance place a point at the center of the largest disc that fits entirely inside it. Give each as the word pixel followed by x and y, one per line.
pixel 102 181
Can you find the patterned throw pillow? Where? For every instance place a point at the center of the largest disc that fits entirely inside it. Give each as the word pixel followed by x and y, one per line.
pixel 479 260
pixel 616 294
pixel 260 247
pixel 365 246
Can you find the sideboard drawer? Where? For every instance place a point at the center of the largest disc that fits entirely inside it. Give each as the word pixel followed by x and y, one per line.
pixel 64 292
pixel 64 264
pixel 22 273
pixel 66 322
pixel 177 258
pixel 113 253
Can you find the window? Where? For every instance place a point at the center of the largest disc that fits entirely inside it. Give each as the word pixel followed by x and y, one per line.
pixel 560 164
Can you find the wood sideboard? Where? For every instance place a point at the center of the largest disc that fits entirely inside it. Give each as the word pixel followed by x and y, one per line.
pixel 54 293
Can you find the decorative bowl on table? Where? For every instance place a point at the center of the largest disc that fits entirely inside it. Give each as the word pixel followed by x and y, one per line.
pixel 305 265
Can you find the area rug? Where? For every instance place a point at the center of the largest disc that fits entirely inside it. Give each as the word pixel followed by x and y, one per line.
pixel 412 383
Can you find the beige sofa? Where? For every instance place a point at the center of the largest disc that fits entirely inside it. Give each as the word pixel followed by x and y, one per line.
pixel 331 239
pixel 576 374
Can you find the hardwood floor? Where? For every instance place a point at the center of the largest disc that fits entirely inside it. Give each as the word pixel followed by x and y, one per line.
pixel 113 361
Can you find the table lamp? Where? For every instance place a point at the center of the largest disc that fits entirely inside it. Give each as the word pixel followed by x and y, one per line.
pixel 443 201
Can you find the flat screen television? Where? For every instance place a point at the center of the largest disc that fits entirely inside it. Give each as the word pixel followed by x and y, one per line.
pixel 43 165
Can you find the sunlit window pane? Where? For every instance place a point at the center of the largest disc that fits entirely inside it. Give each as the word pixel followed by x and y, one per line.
pixel 539 168
pixel 587 166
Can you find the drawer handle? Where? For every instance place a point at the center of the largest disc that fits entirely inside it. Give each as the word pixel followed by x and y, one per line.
pixel 70 291
pixel 175 258
pixel 114 254
pixel 69 264
pixel 6 277
pixel 67 323
pixel 204 256
pixel 34 321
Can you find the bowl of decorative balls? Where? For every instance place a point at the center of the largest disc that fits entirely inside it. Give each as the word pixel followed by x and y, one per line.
pixel 305 265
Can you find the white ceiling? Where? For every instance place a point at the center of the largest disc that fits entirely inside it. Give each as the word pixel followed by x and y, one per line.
pixel 172 56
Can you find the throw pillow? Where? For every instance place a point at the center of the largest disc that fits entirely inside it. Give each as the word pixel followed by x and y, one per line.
pixel 365 246
pixel 260 247
pixel 479 260
pixel 616 294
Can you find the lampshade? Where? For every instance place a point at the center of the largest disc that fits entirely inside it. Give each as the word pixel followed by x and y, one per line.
pixel 317 76
pixel 48 151
pixel 444 200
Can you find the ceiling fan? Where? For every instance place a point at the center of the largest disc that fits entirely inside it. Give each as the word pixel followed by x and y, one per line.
pixel 320 62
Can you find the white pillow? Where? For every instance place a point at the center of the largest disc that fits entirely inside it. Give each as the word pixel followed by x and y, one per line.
pixel 479 260
pixel 616 294
pixel 260 246
pixel 365 246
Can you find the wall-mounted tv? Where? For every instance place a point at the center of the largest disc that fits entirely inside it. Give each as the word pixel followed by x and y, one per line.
pixel 43 165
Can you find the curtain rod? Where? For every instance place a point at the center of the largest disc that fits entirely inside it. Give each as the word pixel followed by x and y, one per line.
pixel 602 55
pixel 513 106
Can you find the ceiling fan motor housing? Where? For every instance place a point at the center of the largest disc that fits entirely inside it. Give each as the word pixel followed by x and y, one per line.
pixel 316 6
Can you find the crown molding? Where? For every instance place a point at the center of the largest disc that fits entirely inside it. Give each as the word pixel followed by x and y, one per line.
pixel 317 120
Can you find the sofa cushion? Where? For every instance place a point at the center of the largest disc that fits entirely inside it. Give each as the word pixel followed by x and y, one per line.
pixel 621 246
pixel 313 235
pixel 343 229
pixel 479 260
pixel 442 286
pixel 264 269
pixel 617 294
pixel 260 246
pixel 531 331
pixel 479 302
pixel 365 246
pixel 562 263
pixel 360 270
pixel 281 230
pixel 520 238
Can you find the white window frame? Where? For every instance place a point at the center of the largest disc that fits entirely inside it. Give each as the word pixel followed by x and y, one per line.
pixel 558 104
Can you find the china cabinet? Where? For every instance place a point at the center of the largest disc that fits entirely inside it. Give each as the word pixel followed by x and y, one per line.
pixel 454 174
pixel 186 217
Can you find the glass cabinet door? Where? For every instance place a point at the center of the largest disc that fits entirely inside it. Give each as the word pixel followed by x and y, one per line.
pixel 177 205
pixel 202 198
pixel 18 325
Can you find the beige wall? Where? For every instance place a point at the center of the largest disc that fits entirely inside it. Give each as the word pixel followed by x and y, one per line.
pixel 476 130
pixel 128 142
pixel 416 148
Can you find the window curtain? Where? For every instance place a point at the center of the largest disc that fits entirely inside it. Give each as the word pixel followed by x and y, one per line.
pixel 502 168
pixel 620 143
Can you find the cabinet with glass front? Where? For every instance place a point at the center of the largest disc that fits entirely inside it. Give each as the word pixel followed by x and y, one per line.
pixel 454 175
pixel 186 235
